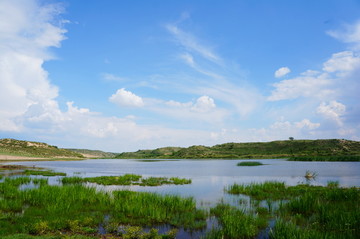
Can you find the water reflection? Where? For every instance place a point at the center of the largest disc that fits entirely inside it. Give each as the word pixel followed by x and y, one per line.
pixel 209 177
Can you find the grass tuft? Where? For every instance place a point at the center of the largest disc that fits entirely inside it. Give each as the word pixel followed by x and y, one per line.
pixel 250 163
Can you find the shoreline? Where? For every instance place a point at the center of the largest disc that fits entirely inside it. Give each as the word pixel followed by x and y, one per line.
pixel 10 158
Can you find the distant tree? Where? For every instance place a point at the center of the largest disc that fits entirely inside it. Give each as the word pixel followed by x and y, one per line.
pixel 291 138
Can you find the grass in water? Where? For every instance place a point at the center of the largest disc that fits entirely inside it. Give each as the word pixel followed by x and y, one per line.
pixel 47 173
pixel 250 163
pixel 307 211
pixel 127 179
pixel 234 223
pixel 77 209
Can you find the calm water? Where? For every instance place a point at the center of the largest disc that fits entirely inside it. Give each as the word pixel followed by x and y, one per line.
pixel 209 177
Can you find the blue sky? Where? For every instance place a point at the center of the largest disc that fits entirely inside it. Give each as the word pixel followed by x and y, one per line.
pixel 128 75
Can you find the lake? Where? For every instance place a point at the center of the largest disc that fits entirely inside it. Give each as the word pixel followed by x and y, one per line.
pixel 209 177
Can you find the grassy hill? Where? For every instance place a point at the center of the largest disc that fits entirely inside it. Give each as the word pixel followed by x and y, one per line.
pixel 88 153
pixel 34 149
pixel 274 149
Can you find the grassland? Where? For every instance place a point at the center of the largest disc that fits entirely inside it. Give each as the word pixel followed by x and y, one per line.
pixel 332 149
pixel 88 153
pixel 35 150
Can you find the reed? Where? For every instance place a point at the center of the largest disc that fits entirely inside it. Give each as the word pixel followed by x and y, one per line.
pixel 329 212
pixel 127 179
pixel 40 181
pixel 47 173
pixel 234 223
pixel 168 209
pixel 77 209
pixel 260 191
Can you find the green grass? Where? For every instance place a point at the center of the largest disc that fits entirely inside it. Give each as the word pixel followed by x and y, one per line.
pixel 331 158
pixel 331 149
pixel 235 223
pixel 250 163
pixel 127 179
pixel 77 209
pixel 261 191
pixel 308 211
pixel 25 236
pixel 47 173
pixel 34 149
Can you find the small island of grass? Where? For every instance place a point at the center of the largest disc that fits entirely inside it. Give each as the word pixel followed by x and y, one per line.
pixel 127 179
pixel 250 163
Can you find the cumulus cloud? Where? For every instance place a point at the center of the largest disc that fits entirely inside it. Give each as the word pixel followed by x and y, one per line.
pixel 27 31
pixel 333 110
pixel 342 62
pixel 126 98
pixel 302 86
pixel 337 73
pixel 204 104
pixel 306 124
pixel 283 71
pixel 202 110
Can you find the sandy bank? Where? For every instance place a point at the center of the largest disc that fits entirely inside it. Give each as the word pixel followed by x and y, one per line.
pixel 15 158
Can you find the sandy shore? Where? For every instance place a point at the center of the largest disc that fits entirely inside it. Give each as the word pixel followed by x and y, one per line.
pixel 17 158
pixel 4 157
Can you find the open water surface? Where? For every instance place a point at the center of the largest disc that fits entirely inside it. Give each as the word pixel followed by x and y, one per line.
pixel 209 177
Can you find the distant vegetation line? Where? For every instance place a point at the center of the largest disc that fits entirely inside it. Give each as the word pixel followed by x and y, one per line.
pixel 297 150
pixel 94 153
pixel 332 149
pixel 34 149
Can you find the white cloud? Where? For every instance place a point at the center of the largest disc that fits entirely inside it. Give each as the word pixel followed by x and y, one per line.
pixel 333 110
pixel 305 123
pixel 318 86
pixel 202 110
pixel 27 31
pixel 192 44
pixel 350 34
pixel 112 77
pixel 204 104
pixel 189 60
pixel 345 61
pixel 283 71
pixel 123 97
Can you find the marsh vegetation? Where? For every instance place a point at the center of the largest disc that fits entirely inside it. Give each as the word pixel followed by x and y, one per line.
pixel 31 208
pixel 77 209
pixel 249 163
pixel 306 211
pixel 127 179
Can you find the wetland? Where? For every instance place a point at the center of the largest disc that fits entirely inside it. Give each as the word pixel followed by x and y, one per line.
pixel 184 199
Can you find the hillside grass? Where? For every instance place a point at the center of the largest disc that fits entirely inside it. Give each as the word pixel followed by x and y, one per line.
pixel 95 153
pixel 259 150
pixel 34 149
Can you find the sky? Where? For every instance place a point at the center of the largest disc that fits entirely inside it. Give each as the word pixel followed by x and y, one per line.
pixel 127 75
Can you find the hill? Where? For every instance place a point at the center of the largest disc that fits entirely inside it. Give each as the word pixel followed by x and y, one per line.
pixel 30 149
pixel 88 153
pixel 274 149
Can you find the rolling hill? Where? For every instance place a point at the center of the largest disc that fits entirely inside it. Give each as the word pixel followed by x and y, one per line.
pixel 274 149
